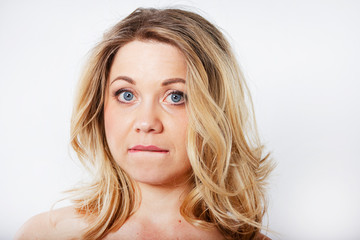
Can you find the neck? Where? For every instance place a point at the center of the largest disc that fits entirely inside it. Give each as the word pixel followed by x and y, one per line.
pixel 161 202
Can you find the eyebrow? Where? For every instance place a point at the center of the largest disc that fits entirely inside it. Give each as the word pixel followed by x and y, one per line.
pixel 164 83
pixel 125 78
pixel 172 80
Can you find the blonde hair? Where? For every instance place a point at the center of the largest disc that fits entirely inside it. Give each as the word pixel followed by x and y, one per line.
pixel 229 168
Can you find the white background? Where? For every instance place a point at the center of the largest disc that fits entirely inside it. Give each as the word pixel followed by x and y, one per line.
pixel 301 59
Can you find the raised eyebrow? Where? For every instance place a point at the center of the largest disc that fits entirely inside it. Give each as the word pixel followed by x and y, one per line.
pixel 172 80
pixel 125 78
pixel 164 83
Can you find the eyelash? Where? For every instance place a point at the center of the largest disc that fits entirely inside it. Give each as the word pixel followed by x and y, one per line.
pixel 122 90
pixel 183 95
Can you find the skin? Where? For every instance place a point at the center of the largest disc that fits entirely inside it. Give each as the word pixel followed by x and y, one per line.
pixel 141 108
pixel 151 117
pixel 58 224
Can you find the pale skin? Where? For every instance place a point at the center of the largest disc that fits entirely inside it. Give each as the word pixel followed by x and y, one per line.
pixel 144 106
pixel 151 110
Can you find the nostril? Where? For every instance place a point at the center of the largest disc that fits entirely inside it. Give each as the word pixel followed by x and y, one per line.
pixel 145 127
pixel 148 125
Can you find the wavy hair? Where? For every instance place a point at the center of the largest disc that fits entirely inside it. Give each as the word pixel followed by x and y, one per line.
pixel 228 164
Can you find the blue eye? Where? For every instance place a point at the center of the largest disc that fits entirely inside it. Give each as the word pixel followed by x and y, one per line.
pixel 124 95
pixel 176 98
pixel 128 96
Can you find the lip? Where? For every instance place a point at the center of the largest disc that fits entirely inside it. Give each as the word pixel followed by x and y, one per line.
pixel 149 148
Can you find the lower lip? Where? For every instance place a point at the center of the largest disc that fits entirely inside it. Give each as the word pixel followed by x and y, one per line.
pixel 146 151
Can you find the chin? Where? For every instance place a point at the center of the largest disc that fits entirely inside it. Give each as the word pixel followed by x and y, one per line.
pixel 159 178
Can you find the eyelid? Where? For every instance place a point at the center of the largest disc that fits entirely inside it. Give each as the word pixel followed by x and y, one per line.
pixel 176 92
pixel 120 91
pixel 167 94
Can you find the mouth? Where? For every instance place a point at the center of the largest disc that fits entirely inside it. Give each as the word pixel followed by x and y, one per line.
pixel 150 148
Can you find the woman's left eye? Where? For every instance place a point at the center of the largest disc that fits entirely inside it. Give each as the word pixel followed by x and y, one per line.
pixel 175 97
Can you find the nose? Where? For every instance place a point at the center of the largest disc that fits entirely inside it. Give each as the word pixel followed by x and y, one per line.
pixel 148 119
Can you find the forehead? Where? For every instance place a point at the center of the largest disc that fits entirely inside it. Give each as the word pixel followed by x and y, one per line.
pixel 148 60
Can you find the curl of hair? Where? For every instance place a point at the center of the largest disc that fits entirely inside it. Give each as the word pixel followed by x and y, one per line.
pixel 229 167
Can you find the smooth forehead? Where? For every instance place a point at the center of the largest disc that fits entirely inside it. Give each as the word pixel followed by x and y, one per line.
pixel 148 44
pixel 139 59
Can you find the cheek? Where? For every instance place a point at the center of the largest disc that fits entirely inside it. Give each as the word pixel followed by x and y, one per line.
pixel 114 131
pixel 179 128
pixel 109 123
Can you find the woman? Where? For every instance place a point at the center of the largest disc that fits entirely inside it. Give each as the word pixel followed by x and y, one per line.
pixel 164 122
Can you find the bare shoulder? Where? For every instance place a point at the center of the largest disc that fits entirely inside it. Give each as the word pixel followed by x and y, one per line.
pixel 62 223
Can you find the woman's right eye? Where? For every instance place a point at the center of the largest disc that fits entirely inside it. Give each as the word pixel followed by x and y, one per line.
pixel 124 96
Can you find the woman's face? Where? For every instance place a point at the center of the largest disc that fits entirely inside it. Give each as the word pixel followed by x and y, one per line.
pixel 144 112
